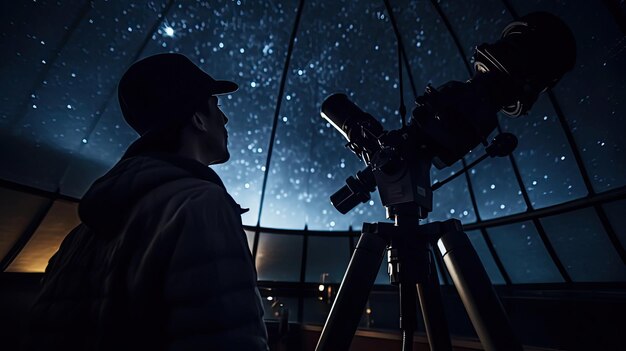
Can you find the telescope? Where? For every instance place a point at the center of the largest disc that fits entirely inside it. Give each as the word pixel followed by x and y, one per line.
pixel 447 122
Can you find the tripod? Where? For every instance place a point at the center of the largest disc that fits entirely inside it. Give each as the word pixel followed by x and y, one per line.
pixel 410 248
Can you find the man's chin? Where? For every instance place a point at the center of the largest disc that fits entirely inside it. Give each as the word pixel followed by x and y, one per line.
pixel 223 159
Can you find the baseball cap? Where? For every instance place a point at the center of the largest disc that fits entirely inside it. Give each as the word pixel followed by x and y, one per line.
pixel 165 89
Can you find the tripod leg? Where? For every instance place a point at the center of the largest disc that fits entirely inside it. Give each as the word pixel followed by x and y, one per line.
pixel 432 309
pixel 354 291
pixel 477 293
pixel 408 315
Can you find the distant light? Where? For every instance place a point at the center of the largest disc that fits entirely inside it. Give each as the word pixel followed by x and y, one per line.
pixel 502 206
pixel 169 31
pixel 368 311
pixel 493 186
pixel 84 141
pixel 34 106
pixel 267 49
pixel 332 223
pixel 253 84
pixel 270 298
pixel 371 202
pixel 321 287
pixel 69 107
pixel 247 185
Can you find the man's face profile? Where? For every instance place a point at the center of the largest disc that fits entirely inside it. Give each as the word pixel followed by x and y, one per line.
pixel 215 134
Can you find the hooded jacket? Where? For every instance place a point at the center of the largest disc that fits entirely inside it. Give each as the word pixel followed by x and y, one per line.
pixel 159 262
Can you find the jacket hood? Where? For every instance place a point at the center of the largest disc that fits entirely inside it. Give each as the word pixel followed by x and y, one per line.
pixel 111 198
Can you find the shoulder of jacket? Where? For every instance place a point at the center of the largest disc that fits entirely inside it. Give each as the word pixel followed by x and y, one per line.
pixel 196 192
pixel 190 185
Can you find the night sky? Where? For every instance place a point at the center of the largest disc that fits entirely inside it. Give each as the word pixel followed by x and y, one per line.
pixel 61 126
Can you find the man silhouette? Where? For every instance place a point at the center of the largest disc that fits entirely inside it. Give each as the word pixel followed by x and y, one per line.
pixel 160 260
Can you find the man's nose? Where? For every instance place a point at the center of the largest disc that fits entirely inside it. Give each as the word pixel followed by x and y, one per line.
pixel 225 119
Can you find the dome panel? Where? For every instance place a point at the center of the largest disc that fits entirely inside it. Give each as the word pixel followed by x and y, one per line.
pixel 17 212
pixel 59 221
pixel 544 157
pixel 278 257
pixel 583 247
pixel 482 249
pixel 615 212
pixel 452 200
pixel 523 254
pixel 496 189
pixel 32 34
pixel 327 259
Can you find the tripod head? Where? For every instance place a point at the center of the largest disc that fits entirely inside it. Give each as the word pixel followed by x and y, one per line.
pixel 449 121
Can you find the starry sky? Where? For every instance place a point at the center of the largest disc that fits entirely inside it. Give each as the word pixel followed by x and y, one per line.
pixel 62 128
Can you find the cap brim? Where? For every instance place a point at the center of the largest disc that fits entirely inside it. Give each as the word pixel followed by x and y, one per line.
pixel 221 87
